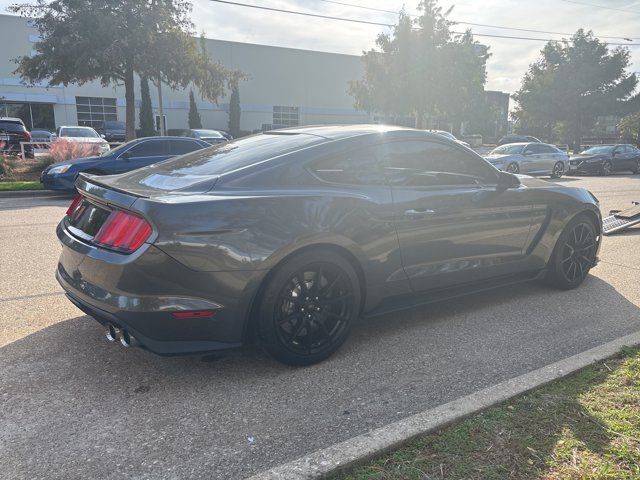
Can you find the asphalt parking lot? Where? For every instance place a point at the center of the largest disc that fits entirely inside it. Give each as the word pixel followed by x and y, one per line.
pixel 74 406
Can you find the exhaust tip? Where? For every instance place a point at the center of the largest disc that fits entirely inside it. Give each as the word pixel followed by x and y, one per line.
pixel 128 340
pixel 112 332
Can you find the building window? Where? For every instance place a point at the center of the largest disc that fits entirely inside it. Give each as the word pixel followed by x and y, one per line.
pixel 93 110
pixel 34 115
pixel 286 116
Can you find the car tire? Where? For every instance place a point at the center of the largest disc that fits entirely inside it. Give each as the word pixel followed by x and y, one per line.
pixel 574 254
pixel 558 170
pixel 607 167
pixel 308 307
pixel 636 169
pixel 513 168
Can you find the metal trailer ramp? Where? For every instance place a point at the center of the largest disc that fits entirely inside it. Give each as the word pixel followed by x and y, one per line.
pixel 619 220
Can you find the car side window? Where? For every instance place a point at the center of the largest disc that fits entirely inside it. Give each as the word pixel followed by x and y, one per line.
pixel 547 149
pixel 431 164
pixel 149 148
pixel 534 149
pixel 356 167
pixel 180 147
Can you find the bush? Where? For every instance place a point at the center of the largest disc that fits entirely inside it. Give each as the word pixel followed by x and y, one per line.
pixel 7 164
pixel 64 149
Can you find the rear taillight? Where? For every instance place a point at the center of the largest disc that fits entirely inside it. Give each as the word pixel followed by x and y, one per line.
pixel 123 231
pixel 25 135
pixel 76 201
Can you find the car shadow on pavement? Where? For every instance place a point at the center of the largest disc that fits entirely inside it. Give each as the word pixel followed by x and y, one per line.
pixel 68 393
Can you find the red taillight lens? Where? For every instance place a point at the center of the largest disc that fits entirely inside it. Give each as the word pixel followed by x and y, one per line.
pixel 26 135
pixel 123 231
pixel 76 201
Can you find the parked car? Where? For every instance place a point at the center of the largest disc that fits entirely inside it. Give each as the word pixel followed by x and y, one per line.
pixel 530 159
pixel 41 135
pixel 450 136
pixel 129 156
pixel 85 135
pixel 112 131
pixel 210 136
pixel 287 237
pixel 607 159
pixel 12 133
pixel 517 139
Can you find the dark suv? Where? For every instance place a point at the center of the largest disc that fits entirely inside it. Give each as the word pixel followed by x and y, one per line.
pixel 112 130
pixel 12 132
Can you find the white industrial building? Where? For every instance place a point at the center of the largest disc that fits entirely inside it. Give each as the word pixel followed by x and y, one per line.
pixel 284 86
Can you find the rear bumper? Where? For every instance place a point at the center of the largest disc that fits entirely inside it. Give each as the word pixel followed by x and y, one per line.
pixel 139 292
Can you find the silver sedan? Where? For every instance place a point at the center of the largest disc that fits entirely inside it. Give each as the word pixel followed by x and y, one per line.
pixel 530 159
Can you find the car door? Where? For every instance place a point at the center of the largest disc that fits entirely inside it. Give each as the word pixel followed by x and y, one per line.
pixel 528 161
pixel 538 159
pixel 624 158
pixel 144 153
pixel 454 224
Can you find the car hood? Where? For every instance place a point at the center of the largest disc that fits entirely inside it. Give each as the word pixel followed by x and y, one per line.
pixel 86 139
pixel 598 156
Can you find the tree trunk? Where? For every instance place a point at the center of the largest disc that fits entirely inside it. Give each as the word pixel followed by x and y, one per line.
pixel 160 107
pixel 130 99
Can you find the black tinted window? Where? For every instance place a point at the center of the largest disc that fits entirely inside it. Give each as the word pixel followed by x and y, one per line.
pixel 11 127
pixel 149 148
pixel 433 164
pixel 358 167
pixel 180 147
pixel 534 148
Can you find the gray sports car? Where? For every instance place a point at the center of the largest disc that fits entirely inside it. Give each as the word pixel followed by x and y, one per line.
pixel 285 238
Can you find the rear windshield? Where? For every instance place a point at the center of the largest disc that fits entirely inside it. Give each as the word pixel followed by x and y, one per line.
pixel 11 126
pixel 507 150
pixel 208 133
pixel 226 157
pixel 78 132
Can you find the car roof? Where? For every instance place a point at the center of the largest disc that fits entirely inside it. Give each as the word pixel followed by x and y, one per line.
pixel 11 119
pixel 339 132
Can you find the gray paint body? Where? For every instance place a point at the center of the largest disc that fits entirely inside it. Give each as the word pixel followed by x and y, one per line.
pixel 216 239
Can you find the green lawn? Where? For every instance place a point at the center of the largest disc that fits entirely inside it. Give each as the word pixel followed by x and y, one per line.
pixel 586 426
pixel 6 185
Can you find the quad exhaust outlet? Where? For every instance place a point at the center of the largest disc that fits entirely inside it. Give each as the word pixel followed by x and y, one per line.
pixel 113 334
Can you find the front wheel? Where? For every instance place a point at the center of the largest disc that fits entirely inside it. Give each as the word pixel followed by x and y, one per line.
pixel 308 307
pixel 636 168
pixel 558 170
pixel 574 254
pixel 513 168
pixel 606 168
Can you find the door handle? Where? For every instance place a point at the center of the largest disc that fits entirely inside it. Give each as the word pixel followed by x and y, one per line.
pixel 418 212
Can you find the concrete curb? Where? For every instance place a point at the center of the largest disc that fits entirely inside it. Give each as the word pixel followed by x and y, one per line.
pixel 34 193
pixel 358 450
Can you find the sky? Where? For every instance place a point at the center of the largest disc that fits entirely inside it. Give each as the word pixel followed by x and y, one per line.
pixel 510 58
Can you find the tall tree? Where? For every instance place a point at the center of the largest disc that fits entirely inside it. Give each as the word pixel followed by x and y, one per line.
pixel 111 41
pixel 194 116
pixel 572 83
pixel 147 127
pixel 422 70
pixel 234 109
pixel 630 127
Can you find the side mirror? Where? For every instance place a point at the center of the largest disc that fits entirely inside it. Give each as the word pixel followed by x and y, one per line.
pixel 507 180
pixel 103 135
pixel 527 153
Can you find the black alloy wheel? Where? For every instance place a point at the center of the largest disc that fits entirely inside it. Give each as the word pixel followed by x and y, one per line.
pixel 558 170
pixel 513 168
pixel 636 169
pixel 308 308
pixel 606 168
pixel 574 254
